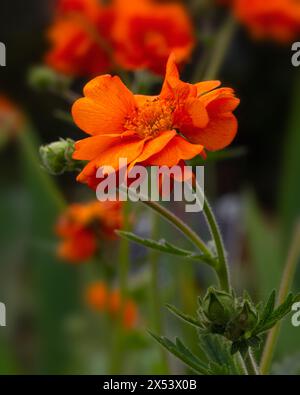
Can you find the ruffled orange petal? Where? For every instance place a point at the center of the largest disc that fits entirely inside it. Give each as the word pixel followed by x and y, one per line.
pixel 91 147
pixel 104 108
pixel 218 134
pixel 206 86
pixel 153 146
pixel 129 148
pixel 176 150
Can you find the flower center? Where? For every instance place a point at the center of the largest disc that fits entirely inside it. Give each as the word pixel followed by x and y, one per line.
pixel 153 117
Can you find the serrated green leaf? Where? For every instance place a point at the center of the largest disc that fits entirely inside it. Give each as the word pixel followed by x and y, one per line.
pixel 218 352
pixel 276 315
pixel 164 246
pixel 185 317
pixel 268 308
pixel 183 354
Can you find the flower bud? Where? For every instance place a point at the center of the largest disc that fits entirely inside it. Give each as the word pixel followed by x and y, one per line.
pixel 44 79
pixel 57 157
pixel 218 306
pixel 247 318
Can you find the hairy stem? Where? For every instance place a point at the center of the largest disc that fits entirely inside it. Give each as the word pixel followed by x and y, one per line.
pixel 179 224
pixel 117 336
pixel 251 364
pixel 155 296
pixel 222 268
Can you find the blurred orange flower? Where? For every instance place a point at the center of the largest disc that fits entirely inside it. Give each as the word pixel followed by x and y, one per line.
pixel 80 38
pixel 10 117
pixel 97 295
pixel 90 38
pixel 81 227
pixel 276 19
pixel 100 298
pixel 158 130
pixel 146 32
pixel 130 312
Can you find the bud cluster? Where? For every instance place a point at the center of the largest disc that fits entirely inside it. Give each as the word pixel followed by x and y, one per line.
pixel 224 314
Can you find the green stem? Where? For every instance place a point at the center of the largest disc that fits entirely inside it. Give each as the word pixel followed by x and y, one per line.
pixel 251 364
pixel 179 224
pixel 124 255
pixel 223 41
pixel 30 149
pixel 117 336
pixel 286 283
pixel 222 267
pixel 155 296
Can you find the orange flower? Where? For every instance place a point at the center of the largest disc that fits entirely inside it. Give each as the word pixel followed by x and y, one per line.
pixel 146 32
pixel 276 19
pixel 100 298
pixel 97 296
pixel 82 225
pixel 80 37
pixel 130 312
pixel 159 130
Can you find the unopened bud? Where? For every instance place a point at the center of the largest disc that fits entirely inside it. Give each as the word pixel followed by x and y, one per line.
pixel 218 306
pixel 44 79
pixel 247 318
pixel 57 157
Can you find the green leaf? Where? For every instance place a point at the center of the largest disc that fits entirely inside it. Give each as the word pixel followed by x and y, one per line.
pixel 268 308
pixel 164 246
pixel 277 314
pixel 218 353
pixel 185 317
pixel 182 353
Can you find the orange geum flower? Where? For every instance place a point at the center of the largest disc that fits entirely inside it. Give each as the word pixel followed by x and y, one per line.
pixel 97 296
pixel 146 32
pixel 274 19
pixel 130 311
pixel 83 226
pixel 80 38
pixel 178 124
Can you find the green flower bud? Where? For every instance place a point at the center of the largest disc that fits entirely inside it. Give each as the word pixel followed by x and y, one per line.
pixel 57 157
pixel 247 318
pixel 44 79
pixel 218 306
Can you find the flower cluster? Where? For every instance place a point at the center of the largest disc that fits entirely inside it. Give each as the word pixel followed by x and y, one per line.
pixel 83 226
pixel 100 298
pixel 90 38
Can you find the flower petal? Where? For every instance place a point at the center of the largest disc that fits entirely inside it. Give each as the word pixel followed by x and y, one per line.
pixel 176 150
pixel 91 147
pixel 218 134
pixel 104 109
pixel 206 86
pixel 153 146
